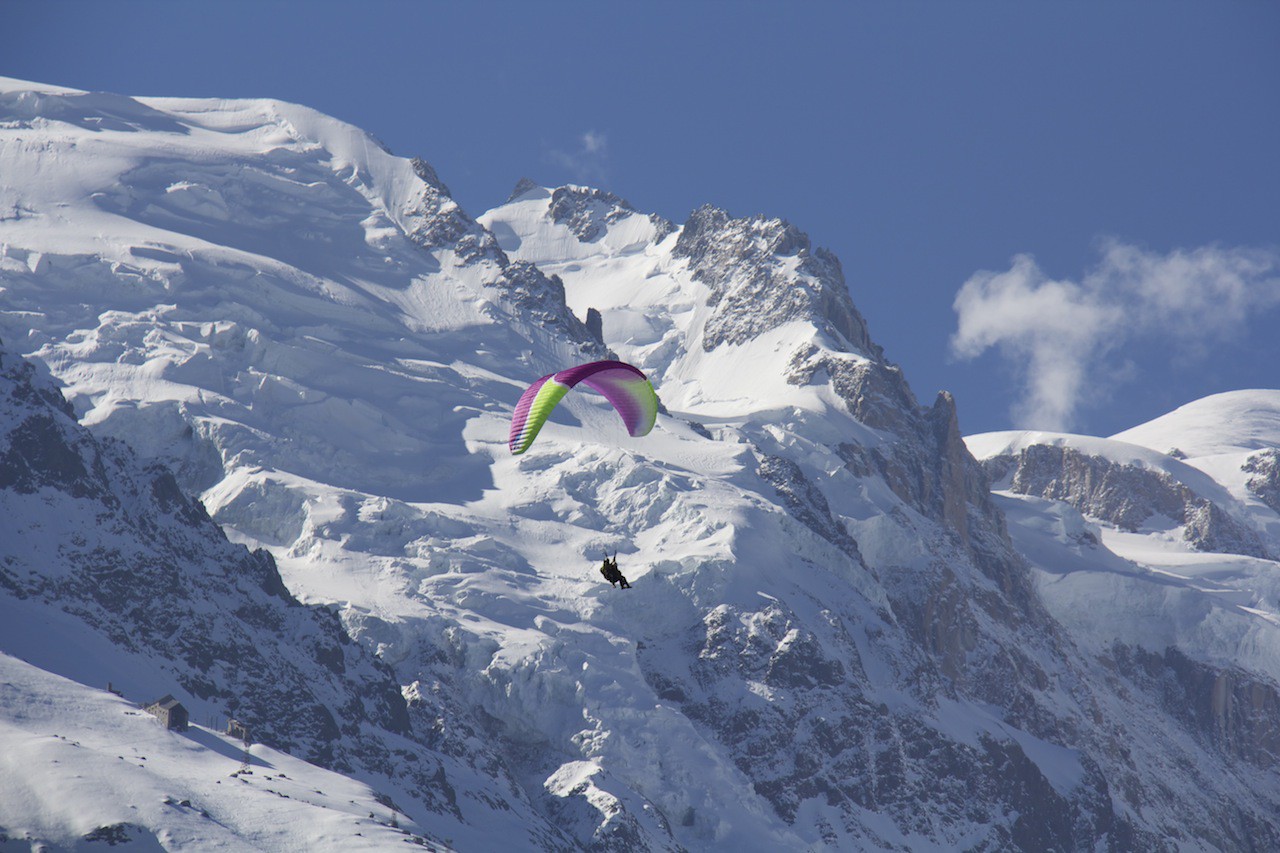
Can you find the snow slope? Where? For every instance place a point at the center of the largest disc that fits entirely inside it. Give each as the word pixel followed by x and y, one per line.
pixel 830 642
pixel 1221 423
pixel 81 766
pixel 1227 436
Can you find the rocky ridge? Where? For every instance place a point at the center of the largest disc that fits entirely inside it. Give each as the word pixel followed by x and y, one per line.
pixel 589 212
pixel 764 272
pixel 1264 480
pixel 1124 495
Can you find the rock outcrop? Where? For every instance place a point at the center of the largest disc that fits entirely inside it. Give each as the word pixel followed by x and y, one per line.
pixel 1124 495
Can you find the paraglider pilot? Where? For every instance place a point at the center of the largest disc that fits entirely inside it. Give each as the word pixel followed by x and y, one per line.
pixel 609 568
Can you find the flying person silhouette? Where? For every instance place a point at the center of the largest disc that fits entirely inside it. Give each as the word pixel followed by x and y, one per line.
pixel 609 568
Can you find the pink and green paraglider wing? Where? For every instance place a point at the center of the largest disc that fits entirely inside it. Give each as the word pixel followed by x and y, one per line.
pixel 624 386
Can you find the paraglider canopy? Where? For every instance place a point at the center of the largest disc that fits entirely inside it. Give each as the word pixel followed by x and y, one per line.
pixel 626 387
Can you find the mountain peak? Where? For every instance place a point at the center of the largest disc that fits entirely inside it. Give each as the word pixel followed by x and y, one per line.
pixel 1230 422
pixel 523 186
pixel 763 273
pixel 589 212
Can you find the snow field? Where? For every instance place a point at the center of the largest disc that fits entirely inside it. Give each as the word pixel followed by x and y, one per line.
pixel 77 759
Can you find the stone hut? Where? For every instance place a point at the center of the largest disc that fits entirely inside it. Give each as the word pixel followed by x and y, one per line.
pixel 170 712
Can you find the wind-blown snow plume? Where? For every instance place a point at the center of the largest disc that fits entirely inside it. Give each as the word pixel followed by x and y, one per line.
pixel 587 161
pixel 1064 336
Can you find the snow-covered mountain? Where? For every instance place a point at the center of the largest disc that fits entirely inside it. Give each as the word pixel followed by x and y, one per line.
pixel 831 641
pixel 1157 548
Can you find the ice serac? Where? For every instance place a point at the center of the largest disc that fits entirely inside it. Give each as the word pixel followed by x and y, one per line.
pixel 285 260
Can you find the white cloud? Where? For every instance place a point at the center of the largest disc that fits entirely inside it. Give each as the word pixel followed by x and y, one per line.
pixel 1066 339
pixel 594 143
pixel 587 161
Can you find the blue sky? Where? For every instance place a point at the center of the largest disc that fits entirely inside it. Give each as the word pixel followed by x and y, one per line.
pixel 1099 180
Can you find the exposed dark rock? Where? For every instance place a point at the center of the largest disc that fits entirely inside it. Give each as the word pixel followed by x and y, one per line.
pixel 926 464
pixel 522 186
pixel 1236 712
pixel 537 298
pixel 1264 466
pixel 756 286
pixel 588 213
pixel 442 222
pixel 32 461
pixel 595 324
pixel 120 835
pixel 1210 528
pixel 817 737
pixel 520 287
pixel 1124 495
